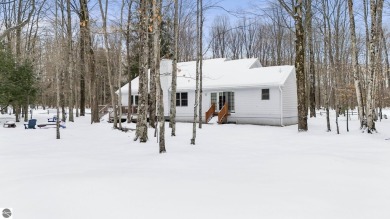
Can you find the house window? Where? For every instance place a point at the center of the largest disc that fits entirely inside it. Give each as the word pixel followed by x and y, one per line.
pixel 231 101
pixel 182 99
pixel 265 94
pixel 134 99
pixel 223 97
pixel 214 98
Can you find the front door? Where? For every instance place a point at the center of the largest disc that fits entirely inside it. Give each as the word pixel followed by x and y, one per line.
pixel 222 99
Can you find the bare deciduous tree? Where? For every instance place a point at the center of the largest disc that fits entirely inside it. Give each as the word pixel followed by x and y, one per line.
pixel 355 63
pixel 172 111
pixel 296 12
pixel 198 56
pixel 142 126
pixel 156 5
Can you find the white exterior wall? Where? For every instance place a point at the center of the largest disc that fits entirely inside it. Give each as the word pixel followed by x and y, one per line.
pixel 186 113
pixel 166 81
pixel 124 100
pixel 290 101
pixel 251 109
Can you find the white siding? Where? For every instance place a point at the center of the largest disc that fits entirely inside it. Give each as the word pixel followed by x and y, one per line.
pixel 251 109
pixel 290 102
pixel 124 100
pixel 183 113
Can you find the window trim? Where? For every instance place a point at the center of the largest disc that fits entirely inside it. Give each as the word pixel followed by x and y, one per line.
pixel 180 99
pixel 263 97
pixel 134 97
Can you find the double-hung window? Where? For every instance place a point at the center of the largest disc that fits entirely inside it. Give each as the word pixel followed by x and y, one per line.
pixel 182 99
pixel 134 100
pixel 265 94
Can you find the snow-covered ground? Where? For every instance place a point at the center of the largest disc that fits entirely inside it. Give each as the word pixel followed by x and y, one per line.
pixel 234 171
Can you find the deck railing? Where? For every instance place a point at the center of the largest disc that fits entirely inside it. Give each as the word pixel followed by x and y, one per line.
pixel 223 113
pixel 103 109
pixel 134 109
pixel 210 113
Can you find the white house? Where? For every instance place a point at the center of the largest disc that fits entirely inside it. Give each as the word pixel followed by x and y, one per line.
pixel 253 94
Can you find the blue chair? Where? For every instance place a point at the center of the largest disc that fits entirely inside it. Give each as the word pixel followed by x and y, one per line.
pixel 31 124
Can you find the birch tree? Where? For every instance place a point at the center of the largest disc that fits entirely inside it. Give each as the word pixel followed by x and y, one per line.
pixel 103 12
pixel 355 63
pixel 172 112
pixel 198 56
pixel 200 61
pixel 156 7
pixel 376 18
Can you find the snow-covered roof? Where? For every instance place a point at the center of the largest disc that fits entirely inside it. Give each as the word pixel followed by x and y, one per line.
pixel 222 73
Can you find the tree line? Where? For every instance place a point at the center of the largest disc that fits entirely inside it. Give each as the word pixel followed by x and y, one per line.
pixel 77 53
pixel 339 66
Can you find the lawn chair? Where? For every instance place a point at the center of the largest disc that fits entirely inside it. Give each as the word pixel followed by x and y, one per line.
pixel 54 119
pixel 9 124
pixel 31 124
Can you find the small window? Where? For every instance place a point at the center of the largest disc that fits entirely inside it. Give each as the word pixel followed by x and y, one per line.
pixel 181 99
pixel 265 94
pixel 214 99
pixel 231 101
pixel 134 99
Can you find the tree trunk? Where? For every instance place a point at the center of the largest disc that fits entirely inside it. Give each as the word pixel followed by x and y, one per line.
pixel 375 11
pixel 83 39
pixel 300 68
pixel 69 60
pixel 337 119
pixel 367 43
pixel 58 136
pixel 312 78
pixel 128 59
pixel 142 126
pixel 172 113
pixel 198 55
pixel 355 64
pixel 326 67
pixel 156 56
pixel 200 61
pixel 94 90
pixel 103 13
pixel 296 13
pixel 387 63
pixel 120 67
pixel 153 69
pixel 92 70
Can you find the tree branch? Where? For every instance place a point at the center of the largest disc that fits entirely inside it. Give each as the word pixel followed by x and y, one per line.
pixel 288 9
pixel 7 31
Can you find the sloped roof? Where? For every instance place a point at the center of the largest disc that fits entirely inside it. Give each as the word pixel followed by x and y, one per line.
pixel 222 73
